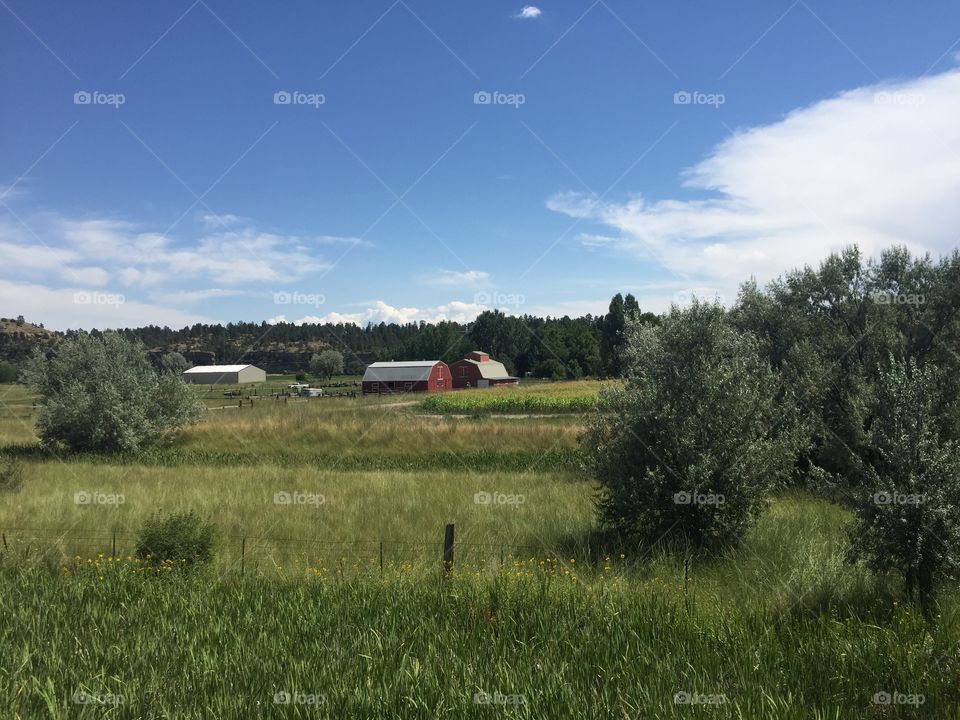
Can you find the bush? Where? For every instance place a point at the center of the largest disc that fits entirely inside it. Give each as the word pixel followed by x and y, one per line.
pixel 11 474
pixel 182 538
pixel 8 372
pixel 693 442
pixel 101 394
pixel 909 516
pixel 174 363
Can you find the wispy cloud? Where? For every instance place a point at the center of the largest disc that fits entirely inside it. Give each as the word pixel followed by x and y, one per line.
pixel 455 278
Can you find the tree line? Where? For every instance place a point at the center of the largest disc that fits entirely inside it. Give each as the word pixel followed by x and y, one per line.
pixel 558 348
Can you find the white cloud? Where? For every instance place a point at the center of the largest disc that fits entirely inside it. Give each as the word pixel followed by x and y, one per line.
pixel 380 311
pixel 874 166
pixel 528 12
pixel 189 297
pixel 452 277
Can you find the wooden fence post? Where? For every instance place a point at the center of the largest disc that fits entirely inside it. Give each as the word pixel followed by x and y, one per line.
pixel 243 553
pixel 113 545
pixel 5 541
pixel 381 558
pixel 448 548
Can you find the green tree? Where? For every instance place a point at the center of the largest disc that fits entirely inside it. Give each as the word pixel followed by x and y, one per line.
pixel 326 364
pixel 909 520
pixel 101 394
pixel 174 362
pixel 612 337
pixel 691 444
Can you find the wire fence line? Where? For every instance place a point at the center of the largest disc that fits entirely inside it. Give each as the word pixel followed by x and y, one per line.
pixel 119 543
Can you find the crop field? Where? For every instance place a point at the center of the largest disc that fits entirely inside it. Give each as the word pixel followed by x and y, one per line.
pixel 327 598
pixel 559 397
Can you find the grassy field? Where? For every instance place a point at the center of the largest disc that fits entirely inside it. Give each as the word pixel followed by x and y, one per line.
pixel 533 621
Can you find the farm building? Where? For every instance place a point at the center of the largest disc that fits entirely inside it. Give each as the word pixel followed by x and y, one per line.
pixel 477 370
pixel 224 375
pixel 407 376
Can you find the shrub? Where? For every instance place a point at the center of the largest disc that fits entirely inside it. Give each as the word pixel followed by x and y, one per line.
pixel 11 474
pixel 181 537
pixel 8 372
pixel 909 516
pixel 174 363
pixel 690 446
pixel 101 394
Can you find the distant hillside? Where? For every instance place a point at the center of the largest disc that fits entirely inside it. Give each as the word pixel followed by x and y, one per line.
pixel 18 338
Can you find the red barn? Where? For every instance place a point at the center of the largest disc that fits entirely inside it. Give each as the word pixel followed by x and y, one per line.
pixel 479 371
pixel 407 376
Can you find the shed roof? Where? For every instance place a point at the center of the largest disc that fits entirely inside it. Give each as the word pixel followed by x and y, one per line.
pixel 490 369
pixel 403 370
pixel 216 369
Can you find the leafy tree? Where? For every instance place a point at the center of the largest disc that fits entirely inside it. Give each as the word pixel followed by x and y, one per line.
pixel 689 447
pixel 101 394
pixel 910 519
pixel 174 362
pixel 327 364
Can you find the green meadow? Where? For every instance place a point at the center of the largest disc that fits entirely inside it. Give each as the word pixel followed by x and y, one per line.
pixel 327 597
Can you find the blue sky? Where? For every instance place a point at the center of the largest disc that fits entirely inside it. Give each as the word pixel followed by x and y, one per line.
pixel 666 149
